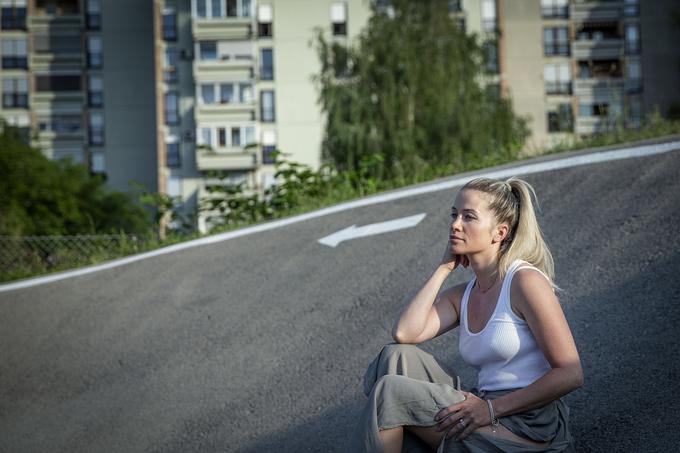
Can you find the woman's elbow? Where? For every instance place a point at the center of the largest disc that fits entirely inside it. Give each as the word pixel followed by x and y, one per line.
pixel 576 377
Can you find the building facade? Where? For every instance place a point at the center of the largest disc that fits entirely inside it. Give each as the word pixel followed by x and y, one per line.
pixel 585 67
pixel 78 76
pixel 183 96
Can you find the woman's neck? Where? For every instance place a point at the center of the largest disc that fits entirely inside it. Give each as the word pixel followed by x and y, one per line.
pixel 485 267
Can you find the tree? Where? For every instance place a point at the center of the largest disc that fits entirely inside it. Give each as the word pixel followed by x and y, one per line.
pixel 43 197
pixel 410 90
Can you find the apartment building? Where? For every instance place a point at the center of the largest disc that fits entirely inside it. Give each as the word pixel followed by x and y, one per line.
pixel 78 76
pixel 187 95
pixel 585 67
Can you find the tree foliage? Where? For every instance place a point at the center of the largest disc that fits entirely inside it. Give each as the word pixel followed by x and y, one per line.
pixel 43 197
pixel 408 93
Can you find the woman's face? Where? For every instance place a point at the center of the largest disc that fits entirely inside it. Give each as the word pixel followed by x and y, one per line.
pixel 473 225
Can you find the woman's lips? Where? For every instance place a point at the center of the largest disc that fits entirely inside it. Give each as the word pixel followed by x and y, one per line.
pixel 454 238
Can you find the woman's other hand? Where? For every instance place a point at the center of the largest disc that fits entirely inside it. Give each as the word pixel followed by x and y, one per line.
pixel 474 413
pixel 452 261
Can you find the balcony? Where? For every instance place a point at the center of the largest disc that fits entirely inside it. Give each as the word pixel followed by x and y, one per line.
pixel 594 125
pixel 600 87
pixel 231 111
pixel 227 159
pixel 228 28
pixel 596 11
pixel 49 61
pixel 207 69
pixel 57 101
pixel 55 23
pixel 601 49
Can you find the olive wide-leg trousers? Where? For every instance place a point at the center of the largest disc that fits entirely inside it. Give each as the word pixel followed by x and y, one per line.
pixel 406 386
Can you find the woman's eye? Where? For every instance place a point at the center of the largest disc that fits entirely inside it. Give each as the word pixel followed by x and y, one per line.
pixel 469 217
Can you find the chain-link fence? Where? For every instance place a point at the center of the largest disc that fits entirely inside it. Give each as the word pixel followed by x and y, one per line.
pixel 30 255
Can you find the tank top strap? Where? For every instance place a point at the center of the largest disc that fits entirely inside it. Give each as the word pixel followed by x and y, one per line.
pixel 464 302
pixel 504 296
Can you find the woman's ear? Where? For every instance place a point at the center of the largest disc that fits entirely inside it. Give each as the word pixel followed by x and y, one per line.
pixel 500 232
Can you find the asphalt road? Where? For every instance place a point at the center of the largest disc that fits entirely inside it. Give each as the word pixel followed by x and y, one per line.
pixel 259 343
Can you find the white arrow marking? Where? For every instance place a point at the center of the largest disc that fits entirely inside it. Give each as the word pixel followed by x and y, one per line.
pixel 369 230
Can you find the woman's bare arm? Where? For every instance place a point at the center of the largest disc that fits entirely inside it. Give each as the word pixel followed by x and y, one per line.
pixel 534 299
pixel 424 318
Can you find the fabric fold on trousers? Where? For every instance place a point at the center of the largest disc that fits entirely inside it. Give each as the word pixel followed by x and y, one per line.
pixel 406 386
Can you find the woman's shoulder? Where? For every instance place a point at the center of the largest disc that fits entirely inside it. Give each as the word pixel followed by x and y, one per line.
pixel 529 286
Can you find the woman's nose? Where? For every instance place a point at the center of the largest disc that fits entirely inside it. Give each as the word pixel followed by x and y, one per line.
pixel 455 223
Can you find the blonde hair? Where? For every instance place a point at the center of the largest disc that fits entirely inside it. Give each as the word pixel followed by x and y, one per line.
pixel 511 203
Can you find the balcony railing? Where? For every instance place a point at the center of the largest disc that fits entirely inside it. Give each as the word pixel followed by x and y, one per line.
pixel 599 87
pixel 603 49
pixel 231 159
pixel 223 28
pixel 557 87
pixel 595 11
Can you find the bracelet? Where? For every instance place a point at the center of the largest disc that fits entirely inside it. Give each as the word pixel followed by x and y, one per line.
pixel 494 421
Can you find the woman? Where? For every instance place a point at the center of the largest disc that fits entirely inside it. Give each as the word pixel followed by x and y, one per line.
pixel 512 330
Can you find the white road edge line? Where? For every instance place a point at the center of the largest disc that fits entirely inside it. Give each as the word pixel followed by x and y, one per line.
pixel 573 161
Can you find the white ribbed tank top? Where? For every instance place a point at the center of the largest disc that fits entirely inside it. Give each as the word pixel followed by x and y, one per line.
pixel 505 351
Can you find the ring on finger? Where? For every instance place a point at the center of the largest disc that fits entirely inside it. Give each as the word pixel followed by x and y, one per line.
pixel 462 423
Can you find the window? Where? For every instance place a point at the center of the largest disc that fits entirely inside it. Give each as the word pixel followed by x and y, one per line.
pixel 235 136
pixel 169 24
pixel 226 93
pixel 268 147
pixel 562 120
pixel 555 8
pixel 266 64
pixel 200 9
pixel 221 137
pixel 170 73
pixel 57 83
pixel 489 15
pixel 555 41
pixel 268 154
pixel 208 50
pixel 14 53
pixel 13 14
pixel 634 82
pixel 631 8
pixel 264 21
pixel 94 18
pixel 60 124
pixel 232 8
pixel 171 108
pixel 208 93
pixel 249 136
pixel 206 136
pixel 491 56
pixel 245 93
pixel 635 111
pixel 216 8
pixel 267 106
pixel 454 6
pixel 339 18
pixel 557 78
pixel 205 9
pixel 172 154
pixel 632 39
pixel 94 51
pixel 15 93
pixel 590 110
pixel 95 95
pixel 96 129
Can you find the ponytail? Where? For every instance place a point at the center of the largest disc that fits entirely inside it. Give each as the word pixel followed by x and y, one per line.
pixel 511 202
